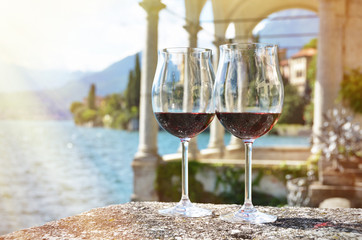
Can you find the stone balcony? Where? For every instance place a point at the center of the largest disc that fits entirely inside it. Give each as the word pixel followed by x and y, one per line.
pixel 140 220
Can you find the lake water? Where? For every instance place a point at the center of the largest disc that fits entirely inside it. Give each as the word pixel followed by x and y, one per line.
pixel 53 169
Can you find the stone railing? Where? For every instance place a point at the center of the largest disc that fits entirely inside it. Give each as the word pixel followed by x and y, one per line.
pixel 140 220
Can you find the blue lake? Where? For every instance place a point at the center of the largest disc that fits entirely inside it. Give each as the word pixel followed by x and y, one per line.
pixel 53 169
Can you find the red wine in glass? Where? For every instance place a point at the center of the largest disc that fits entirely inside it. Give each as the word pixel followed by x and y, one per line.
pixel 183 106
pixel 248 125
pixel 248 98
pixel 184 125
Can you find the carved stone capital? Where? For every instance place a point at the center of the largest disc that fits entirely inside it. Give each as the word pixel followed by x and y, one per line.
pixel 218 41
pixel 152 7
pixel 192 28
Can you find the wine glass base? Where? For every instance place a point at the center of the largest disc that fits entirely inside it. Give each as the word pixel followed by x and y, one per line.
pixel 250 215
pixel 185 209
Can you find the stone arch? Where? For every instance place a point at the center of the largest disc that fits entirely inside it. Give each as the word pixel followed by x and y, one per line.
pixel 231 24
pixel 246 12
pixel 277 5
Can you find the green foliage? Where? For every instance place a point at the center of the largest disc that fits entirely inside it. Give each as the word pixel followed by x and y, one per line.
pixel 117 110
pixel 89 115
pixel 312 71
pixel 311 76
pixel 229 180
pixel 300 109
pixel 91 100
pixel 293 106
pixel 311 44
pixel 113 103
pixel 78 115
pixel 75 106
pixel 168 183
pixel 132 93
pixel 309 113
pixel 351 90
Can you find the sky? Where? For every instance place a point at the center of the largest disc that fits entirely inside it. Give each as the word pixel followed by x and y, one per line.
pixel 79 35
pixel 84 35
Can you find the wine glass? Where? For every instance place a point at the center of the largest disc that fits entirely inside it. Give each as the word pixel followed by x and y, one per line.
pixel 248 97
pixel 183 106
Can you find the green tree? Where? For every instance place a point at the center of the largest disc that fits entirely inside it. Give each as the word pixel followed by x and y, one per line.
pixel 128 93
pixel 132 93
pixel 351 90
pixel 75 105
pixel 91 100
pixel 119 108
pixel 137 88
pixel 311 44
pixel 311 76
pixel 293 108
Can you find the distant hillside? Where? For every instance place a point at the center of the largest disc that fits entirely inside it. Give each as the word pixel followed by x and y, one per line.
pixel 14 78
pixel 290 31
pixel 110 80
pixel 54 103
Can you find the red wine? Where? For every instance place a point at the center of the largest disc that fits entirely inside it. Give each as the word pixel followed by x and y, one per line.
pixel 248 125
pixel 184 125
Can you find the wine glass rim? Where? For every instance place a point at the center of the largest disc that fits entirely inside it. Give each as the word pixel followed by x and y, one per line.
pixel 183 50
pixel 246 45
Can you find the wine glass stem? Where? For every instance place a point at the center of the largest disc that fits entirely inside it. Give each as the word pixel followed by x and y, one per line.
pixel 248 174
pixel 185 170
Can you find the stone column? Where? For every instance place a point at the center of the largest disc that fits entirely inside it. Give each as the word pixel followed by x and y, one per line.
pixel 329 66
pixel 216 146
pixel 330 60
pixel 192 29
pixel 146 160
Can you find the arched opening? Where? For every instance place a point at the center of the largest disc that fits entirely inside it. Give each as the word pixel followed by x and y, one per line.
pixel 230 31
pixel 295 31
pixel 291 29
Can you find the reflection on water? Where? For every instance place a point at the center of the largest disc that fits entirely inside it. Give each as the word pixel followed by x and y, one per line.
pixel 50 170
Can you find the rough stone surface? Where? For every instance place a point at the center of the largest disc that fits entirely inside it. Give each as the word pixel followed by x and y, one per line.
pixel 140 220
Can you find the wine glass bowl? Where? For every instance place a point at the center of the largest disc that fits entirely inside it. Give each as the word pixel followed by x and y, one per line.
pixel 248 97
pixel 183 106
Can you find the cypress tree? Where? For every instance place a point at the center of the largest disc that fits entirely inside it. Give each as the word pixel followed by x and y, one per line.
pixel 129 91
pixel 132 93
pixel 91 101
pixel 137 79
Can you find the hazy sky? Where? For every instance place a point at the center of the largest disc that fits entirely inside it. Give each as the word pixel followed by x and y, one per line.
pixel 85 35
pixel 82 34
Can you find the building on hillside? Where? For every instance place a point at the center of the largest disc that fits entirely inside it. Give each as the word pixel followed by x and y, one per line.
pixel 284 68
pixel 298 69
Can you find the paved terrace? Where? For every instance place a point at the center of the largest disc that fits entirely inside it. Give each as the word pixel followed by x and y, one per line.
pixel 139 220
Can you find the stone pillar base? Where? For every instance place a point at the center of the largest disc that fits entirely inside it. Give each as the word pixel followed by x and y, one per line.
pixel 144 178
pixel 216 153
pixel 319 192
pixel 235 152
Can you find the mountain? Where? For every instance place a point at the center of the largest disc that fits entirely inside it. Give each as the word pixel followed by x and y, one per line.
pixel 289 30
pixel 54 103
pixel 113 79
pixel 14 78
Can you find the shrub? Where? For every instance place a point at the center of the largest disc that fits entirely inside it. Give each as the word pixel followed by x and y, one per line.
pixel 351 90
pixel 74 106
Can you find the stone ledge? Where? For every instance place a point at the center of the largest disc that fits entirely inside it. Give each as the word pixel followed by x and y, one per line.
pixel 139 220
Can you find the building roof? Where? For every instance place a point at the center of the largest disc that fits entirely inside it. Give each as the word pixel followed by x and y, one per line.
pixel 284 62
pixel 306 52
